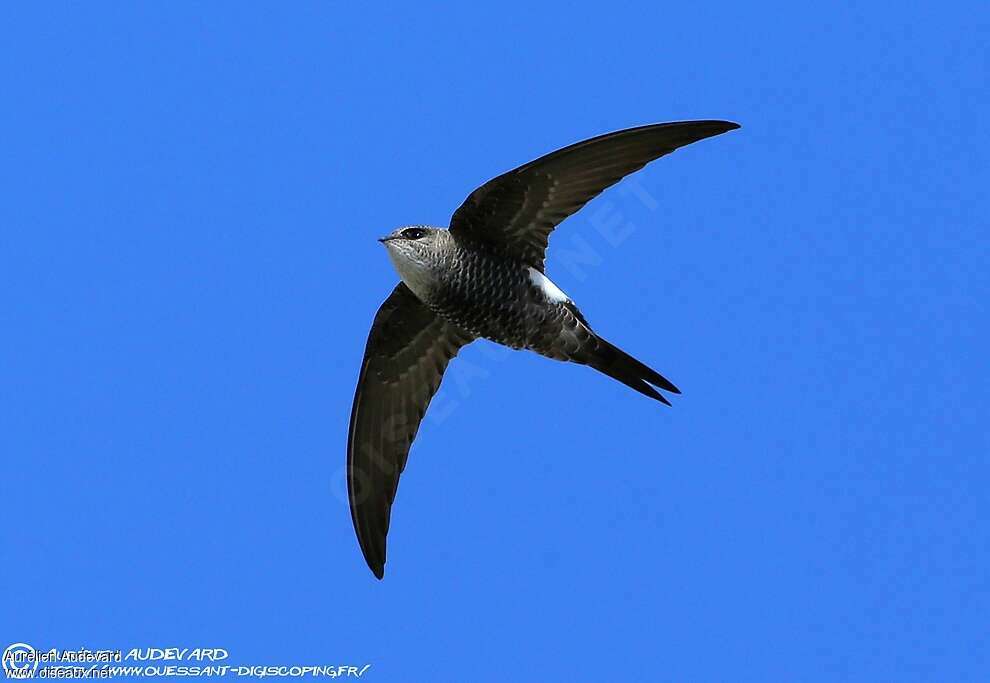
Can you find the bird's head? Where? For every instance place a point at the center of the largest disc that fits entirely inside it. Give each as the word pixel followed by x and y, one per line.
pixel 418 253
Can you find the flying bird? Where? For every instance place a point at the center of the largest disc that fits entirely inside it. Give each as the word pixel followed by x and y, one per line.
pixel 484 277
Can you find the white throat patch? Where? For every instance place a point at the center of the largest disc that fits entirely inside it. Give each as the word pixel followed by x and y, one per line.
pixel 550 290
pixel 416 275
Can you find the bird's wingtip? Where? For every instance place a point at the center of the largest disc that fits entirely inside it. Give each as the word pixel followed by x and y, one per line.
pixel 727 125
pixel 375 559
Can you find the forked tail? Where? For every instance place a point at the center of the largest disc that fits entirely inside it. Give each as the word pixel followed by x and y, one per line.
pixel 619 365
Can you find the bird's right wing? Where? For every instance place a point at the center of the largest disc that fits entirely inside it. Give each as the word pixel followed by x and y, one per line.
pixel 408 350
pixel 517 211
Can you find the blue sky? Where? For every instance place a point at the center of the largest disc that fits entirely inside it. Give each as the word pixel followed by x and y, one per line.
pixel 189 271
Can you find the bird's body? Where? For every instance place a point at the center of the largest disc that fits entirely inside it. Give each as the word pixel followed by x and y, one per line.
pixel 483 277
pixel 493 296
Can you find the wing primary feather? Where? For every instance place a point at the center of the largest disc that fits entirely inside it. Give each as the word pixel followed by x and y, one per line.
pixel 518 210
pixel 407 351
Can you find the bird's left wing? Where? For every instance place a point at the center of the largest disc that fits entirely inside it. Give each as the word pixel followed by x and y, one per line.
pixel 517 211
pixel 407 352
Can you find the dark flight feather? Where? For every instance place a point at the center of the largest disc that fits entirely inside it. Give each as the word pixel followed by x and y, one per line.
pixel 408 350
pixel 517 211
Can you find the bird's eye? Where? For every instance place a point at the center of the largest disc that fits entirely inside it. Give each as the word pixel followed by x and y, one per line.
pixel 413 233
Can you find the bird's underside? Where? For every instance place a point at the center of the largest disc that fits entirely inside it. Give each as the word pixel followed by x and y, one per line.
pixel 508 302
pixel 491 285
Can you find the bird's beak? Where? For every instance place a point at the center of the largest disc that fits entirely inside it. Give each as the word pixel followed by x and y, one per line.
pixel 383 240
